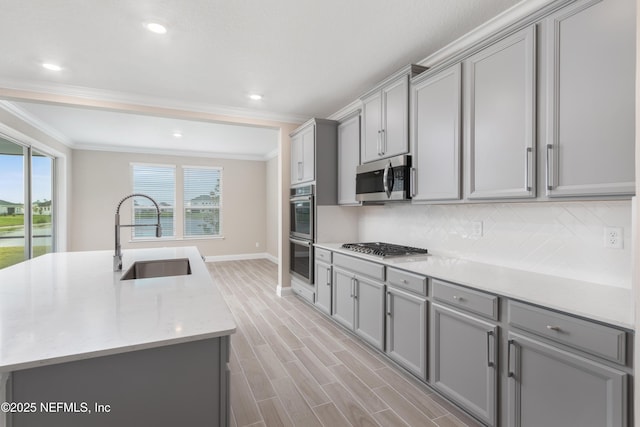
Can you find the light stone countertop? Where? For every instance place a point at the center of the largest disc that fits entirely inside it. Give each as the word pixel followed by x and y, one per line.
pixel 607 304
pixel 69 306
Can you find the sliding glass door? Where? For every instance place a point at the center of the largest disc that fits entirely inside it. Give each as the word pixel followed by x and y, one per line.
pixel 26 179
pixel 41 204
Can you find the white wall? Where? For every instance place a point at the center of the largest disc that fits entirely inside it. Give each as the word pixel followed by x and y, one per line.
pixel 101 179
pixel 560 238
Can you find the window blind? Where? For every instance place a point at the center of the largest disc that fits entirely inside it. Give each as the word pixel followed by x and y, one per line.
pixel 159 183
pixel 202 201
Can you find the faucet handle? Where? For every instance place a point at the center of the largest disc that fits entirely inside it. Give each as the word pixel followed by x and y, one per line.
pixel 117 263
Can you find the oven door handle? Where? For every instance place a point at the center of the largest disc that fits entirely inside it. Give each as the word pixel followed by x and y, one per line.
pixel 301 199
pixel 300 242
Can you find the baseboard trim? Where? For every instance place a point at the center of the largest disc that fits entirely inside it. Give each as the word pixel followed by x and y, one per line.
pixel 283 291
pixel 240 257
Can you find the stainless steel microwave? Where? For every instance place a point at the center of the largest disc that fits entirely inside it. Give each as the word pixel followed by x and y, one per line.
pixel 384 180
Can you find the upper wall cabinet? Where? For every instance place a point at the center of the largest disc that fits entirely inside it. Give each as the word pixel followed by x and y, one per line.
pixel 303 146
pixel 385 117
pixel 590 97
pixel 499 100
pixel 435 135
pixel 348 158
pixel 314 154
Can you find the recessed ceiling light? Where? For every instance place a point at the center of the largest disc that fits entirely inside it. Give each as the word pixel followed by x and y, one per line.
pixel 51 67
pixel 255 96
pixel 177 134
pixel 154 27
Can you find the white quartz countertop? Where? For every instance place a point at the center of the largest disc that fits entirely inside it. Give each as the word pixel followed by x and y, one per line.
pixel 608 304
pixel 68 306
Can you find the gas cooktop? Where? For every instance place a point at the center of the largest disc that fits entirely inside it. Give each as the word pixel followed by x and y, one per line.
pixel 384 250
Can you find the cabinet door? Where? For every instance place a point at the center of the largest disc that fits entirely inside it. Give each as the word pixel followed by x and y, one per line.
pixel 552 387
pixel 395 116
pixel 499 124
pixel 591 99
pixel 323 287
pixel 342 307
pixel 464 361
pixel 407 330
pixel 308 154
pixel 369 311
pixel 296 159
pixel 348 160
pixel 371 144
pixel 436 136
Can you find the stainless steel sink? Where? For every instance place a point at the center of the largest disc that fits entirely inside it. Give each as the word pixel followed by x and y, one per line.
pixel 157 268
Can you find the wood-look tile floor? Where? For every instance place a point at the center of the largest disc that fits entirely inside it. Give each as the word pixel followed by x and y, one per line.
pixel 291 366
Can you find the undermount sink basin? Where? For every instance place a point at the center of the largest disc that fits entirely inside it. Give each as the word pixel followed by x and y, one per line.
pixel 157 268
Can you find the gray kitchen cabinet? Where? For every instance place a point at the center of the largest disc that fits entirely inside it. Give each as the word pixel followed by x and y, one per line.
pixel 499 102
pixel 369 310
pixel 303 155
pixel 435 135
pixel 548 386
pixel 385 117
pixel 406 327
pixel 342 308
pixel 590 98
pixel 359 297
pixel 464 361
pixel 323 286
pixel 348 158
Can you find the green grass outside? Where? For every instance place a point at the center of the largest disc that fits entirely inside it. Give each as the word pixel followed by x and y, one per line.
pixel 17 220
pixel 15 254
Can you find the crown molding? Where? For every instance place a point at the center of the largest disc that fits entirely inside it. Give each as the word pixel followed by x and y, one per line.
pixel 149 101
pixel 170 152
pixel 36 123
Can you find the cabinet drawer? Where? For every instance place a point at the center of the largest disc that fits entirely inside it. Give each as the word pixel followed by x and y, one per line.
pixel 467 299
pixel 323 255
pixel 305 291
pixel 411 282
pixel 360 266
pixel 599 340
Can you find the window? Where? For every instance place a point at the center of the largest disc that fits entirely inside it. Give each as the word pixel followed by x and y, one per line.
pixel 26 179
pixel 202 199
pixel 159 183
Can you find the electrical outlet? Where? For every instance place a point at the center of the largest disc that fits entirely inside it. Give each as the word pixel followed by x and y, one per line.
pixel 257 245
pixel 476 229
pixel 613 238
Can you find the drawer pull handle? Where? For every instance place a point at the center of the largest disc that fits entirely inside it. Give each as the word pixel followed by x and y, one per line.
pixel 404 281
pixel 553 328
pixel 389 304
pixel 457 298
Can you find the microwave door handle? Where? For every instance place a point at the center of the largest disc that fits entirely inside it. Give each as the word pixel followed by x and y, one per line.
pixel 388 179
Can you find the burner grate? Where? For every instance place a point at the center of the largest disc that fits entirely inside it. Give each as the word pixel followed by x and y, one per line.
pixel 384 249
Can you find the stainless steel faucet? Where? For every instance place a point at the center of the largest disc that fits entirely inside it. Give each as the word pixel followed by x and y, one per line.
pixel 117 258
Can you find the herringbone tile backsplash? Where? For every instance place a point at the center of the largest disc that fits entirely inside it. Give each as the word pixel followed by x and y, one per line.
pixel 560 238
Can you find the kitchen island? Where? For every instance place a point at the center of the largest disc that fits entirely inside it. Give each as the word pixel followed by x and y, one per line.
pixel 80 346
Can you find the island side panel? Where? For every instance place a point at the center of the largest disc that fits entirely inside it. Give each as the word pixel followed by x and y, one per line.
pixel 180 384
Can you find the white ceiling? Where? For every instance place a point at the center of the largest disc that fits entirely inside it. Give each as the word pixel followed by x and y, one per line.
pixel 308 58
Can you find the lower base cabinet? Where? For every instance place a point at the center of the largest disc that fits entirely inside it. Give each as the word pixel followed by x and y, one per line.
pixel 358 304
pixel 552 387
pixel 407 330
pixel 323 287
pixel 464 362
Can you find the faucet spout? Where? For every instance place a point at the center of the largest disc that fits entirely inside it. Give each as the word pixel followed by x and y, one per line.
pixel 117 257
